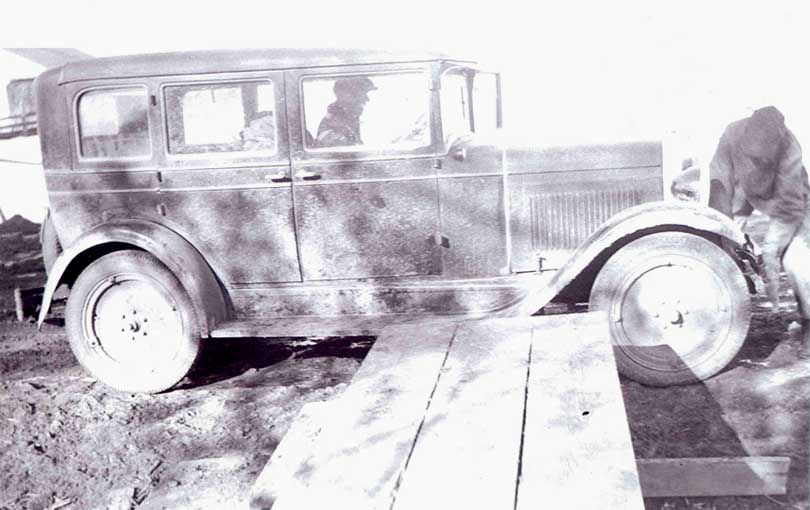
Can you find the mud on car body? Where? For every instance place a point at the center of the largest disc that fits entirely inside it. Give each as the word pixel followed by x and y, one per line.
pixel 197 195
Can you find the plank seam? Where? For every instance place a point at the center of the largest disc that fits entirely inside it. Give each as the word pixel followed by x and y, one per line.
pixel 422 422
pixel 523 424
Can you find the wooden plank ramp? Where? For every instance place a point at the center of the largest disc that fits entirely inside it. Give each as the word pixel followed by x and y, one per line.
pixel 496 413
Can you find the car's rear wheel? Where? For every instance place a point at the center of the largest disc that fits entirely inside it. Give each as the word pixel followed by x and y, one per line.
pixel 677 306
pixel 131 323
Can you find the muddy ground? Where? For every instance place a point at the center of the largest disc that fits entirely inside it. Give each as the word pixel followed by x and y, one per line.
pixel 69 442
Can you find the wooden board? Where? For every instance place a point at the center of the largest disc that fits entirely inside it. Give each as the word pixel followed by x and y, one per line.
pixel 722 476
pixel 577 451
pixel 288 457
pixel 361 450
pixel 467 452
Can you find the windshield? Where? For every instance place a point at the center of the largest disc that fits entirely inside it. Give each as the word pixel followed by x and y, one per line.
pixel 469 102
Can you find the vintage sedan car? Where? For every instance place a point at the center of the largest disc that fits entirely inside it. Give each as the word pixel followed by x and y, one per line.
pixel 321 192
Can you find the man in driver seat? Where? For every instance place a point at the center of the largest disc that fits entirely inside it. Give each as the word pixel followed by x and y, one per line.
pixel 341 125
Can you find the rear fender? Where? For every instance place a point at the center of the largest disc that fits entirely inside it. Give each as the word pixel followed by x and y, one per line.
pixel 631 224
pixel 170 248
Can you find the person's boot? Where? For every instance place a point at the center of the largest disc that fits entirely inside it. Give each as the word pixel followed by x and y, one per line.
pixel 804 347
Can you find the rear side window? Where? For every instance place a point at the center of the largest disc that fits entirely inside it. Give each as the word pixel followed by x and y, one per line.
pixel 113 123
pixel 221 117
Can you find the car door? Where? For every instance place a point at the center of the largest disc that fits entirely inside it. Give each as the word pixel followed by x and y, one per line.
pixel 364 182
pixel 226 181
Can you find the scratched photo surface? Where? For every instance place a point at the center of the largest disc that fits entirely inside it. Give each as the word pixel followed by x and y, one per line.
pixel 415 255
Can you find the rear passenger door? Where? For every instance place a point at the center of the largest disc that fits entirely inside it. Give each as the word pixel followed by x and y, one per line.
pixel 226 183
pixel 366 195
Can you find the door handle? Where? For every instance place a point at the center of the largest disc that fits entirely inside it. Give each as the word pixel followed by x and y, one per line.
pixel 307 175
pixel 279 177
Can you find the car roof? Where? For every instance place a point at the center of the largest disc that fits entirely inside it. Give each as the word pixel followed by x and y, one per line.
pixel 216 61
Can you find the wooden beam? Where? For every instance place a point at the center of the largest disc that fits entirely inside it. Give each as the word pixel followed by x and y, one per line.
pixel 713 476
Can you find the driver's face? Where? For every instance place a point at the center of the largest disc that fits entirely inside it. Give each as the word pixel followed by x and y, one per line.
pixel 357 102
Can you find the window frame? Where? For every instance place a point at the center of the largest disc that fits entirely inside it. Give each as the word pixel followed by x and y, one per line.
pixel 77 126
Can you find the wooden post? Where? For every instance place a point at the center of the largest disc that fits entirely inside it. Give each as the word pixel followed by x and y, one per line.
pixel 26 301
pixel 18 304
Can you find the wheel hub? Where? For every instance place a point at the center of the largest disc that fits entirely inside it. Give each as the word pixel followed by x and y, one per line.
pixel 674 306
pixel 132 318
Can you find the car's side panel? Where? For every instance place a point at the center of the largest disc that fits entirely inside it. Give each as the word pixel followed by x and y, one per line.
pixel 560 195
pixel 82 200
pixel 55 146
pixel 242 224
pixel 353 229
pixel 402 296
pixel 553 213
pixel 176 253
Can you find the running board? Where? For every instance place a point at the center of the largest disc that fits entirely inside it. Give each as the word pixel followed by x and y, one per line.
pixel 309 326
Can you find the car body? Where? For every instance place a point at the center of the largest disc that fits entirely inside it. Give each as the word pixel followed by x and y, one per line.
pixel 215 165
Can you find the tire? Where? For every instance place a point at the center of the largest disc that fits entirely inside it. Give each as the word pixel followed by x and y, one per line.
pixel 678 308
pixel 51 248
pixel 131 324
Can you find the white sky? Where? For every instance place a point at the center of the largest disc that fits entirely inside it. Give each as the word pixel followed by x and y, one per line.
pixel 573 71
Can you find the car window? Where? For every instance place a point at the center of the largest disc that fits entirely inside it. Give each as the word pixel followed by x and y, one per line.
pixel 375 111
pixel 113 123
pixel 221 117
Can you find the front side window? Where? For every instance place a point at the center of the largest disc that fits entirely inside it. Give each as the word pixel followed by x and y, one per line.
pixel 469 102
pixel 113 123
pixel 455 101
pixel 485 102
pixel 221 117
pixel 376 111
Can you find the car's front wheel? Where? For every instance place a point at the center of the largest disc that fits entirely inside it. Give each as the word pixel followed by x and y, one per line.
pixel 131 323
pixel 677 306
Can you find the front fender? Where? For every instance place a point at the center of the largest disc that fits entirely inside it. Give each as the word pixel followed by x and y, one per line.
pixel 170 248
pixel 652 217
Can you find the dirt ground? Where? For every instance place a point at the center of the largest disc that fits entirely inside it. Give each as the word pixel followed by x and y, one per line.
pixel 69 442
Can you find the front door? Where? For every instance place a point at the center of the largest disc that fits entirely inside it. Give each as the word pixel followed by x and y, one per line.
pixel 364 182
